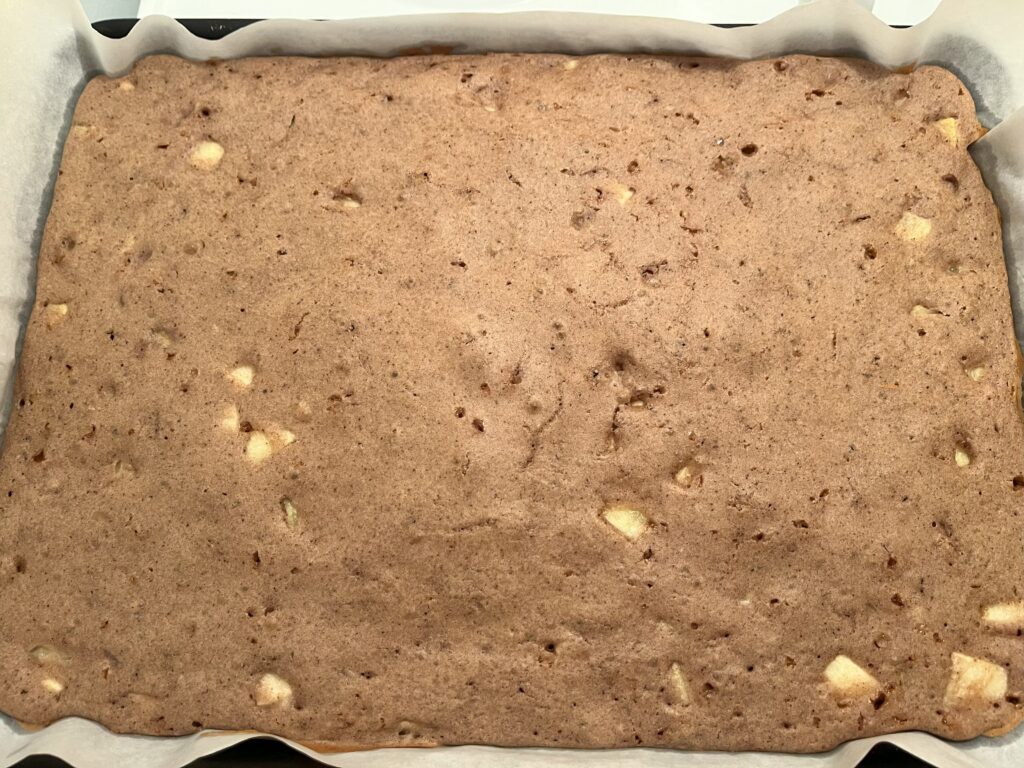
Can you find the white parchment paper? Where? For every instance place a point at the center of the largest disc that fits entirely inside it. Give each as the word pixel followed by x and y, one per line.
pixel 902 12
pixel 48 51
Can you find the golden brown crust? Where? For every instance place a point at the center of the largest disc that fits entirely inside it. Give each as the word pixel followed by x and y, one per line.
pixel 518 400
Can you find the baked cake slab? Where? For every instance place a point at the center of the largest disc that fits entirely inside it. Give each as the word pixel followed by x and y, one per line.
pixel 519 400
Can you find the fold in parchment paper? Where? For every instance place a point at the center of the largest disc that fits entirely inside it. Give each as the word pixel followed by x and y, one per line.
pixel 48 51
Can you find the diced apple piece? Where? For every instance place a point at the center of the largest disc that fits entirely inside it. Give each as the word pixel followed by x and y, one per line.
pixel 913 228
pixel 680 685
pixel 975 680
pixel 849 680
pixel 206 155
pixel 242 376
pixel 629 522
pixel 949 129
pixel 1006 617
pixel 273 691
pixel 621 192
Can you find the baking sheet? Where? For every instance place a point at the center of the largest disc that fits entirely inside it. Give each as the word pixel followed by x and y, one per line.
pixel 47 51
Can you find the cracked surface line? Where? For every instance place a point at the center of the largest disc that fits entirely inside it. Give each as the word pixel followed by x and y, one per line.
pixel 539 431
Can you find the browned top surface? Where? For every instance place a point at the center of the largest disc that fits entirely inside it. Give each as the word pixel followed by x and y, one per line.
pixel 495 346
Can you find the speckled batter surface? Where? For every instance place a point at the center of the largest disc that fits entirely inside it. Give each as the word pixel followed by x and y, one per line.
pixel 340 372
